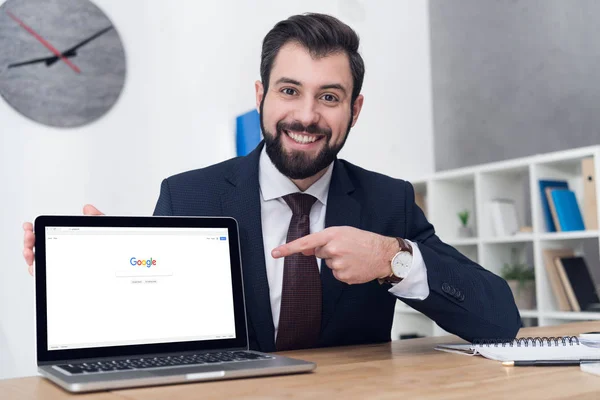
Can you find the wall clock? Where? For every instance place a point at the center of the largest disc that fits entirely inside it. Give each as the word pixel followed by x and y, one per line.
pixel 62 62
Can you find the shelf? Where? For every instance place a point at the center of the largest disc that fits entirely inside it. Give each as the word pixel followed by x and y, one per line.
pixel 565 315
pixel 568 235
pixel 526 237
pixel 529 313
pixel 473 189
pixel 566 155
pixel 572 315
pixel 462 242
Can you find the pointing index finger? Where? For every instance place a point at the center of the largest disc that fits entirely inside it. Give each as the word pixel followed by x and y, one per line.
pixel 308 242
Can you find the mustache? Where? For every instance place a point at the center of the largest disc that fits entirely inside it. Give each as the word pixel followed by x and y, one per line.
pixel 300 127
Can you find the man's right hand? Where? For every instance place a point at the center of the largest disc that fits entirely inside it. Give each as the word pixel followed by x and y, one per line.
pixel 29 236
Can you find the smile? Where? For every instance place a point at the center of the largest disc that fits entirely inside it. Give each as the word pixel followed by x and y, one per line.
pixel 302 138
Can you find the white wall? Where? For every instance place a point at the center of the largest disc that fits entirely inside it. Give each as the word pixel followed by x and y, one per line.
pixel 191 69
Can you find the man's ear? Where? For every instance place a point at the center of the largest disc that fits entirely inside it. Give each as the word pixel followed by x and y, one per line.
pixel 260 92
pixel 356 107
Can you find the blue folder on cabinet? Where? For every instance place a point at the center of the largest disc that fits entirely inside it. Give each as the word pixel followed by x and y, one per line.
pixel 545 206
pixel 567 211
pixel 247 132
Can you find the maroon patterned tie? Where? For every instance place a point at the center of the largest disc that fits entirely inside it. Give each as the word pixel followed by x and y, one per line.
pixel 300 314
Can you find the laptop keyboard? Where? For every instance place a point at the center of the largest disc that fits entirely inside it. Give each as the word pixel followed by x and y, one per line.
pixel 161 362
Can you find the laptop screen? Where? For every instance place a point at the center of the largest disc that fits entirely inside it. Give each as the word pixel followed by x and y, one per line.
pixel 116 286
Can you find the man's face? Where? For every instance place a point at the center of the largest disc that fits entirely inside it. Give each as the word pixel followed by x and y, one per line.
pixel 307 113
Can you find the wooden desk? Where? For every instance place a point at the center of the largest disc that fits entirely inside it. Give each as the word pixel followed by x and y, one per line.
pixel 408 369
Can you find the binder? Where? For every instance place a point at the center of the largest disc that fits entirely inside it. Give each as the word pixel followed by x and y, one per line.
pixel 590 202
pixel 567 285
pixel 248 134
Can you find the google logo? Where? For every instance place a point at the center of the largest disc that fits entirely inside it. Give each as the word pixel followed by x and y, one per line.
pixel 148 263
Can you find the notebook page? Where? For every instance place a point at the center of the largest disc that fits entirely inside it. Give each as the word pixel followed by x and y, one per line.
pixel 567 352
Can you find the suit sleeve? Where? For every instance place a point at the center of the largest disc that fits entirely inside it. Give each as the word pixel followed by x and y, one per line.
pixel 464 298
pixel 163 205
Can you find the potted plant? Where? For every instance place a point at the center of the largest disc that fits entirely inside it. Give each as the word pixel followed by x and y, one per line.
pixel 464 230
pixel 521 280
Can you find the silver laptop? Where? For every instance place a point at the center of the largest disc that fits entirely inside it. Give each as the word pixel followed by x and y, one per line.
pixel 137 301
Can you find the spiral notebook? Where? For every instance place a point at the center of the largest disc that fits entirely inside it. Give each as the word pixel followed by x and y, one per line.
pixel 527 349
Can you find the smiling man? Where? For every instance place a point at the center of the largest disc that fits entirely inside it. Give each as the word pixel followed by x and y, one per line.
pixel 328 247
pixel 310 107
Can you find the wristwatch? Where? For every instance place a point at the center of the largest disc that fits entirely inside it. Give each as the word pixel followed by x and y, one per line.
pixel 400 263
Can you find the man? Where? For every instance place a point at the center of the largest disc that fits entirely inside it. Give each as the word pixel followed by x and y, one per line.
pixel 328 247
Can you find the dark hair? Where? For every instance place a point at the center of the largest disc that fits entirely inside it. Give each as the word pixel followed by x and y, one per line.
pixel 322 35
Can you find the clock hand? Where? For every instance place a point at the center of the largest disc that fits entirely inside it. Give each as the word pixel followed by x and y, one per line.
pixel 72 52
pixel 44 42
pixel 73 49
pixel 48 60
pixel 86 41
pixel 52 60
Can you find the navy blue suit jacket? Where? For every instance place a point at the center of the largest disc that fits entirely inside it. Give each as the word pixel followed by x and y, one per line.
pixel 464 298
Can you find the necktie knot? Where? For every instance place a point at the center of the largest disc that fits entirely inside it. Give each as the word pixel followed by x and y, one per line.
pixel 300 203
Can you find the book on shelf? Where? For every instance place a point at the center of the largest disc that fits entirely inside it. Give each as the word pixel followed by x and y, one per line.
pixel 505 220
pixel 248 134
pixel 579 285
pixel 590 202
pixel 565 210
pixel 546 183
pixel 550 255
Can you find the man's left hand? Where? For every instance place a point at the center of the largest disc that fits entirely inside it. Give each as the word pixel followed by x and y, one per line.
pixel 355 256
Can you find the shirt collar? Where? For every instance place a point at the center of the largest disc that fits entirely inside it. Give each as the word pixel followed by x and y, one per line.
pixel 273 184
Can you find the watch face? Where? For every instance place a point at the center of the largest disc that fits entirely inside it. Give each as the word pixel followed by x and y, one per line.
pixel 401 264
pixel 62 62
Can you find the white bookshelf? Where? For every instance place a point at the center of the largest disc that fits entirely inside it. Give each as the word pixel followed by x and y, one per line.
pixel 448 192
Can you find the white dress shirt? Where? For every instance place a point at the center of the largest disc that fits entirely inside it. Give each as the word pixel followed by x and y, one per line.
pixel 276 216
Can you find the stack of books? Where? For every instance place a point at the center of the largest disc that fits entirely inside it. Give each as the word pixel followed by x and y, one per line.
pixel 571 281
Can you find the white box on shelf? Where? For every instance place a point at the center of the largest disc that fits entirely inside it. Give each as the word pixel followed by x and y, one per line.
pixel 504 217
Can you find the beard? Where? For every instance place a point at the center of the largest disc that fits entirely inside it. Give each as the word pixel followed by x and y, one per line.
pixel 297 164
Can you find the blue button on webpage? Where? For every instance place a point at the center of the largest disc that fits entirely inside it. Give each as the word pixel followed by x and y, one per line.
pixel 223 238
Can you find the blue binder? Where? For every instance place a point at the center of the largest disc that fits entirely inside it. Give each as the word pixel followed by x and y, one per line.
pixel 247 132
pixel 545 207
pixel 567 210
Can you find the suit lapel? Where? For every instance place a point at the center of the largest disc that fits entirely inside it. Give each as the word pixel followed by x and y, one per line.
pixel 342 210
pixel 241 200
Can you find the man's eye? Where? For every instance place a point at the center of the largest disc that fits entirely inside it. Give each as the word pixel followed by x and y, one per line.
pixel 289 91
pixel 329 98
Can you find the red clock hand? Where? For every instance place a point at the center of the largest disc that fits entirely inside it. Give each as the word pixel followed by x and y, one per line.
pixel 44 42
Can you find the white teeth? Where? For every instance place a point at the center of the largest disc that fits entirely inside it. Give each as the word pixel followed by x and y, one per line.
pixel 301 138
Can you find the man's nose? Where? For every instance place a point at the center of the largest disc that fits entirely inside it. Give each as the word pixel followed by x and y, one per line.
pixel 307 114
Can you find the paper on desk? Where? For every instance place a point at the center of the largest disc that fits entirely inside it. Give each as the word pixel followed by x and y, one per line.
pixel 590 368
pixel 590 339
pixel 524 353
pixel 465 349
